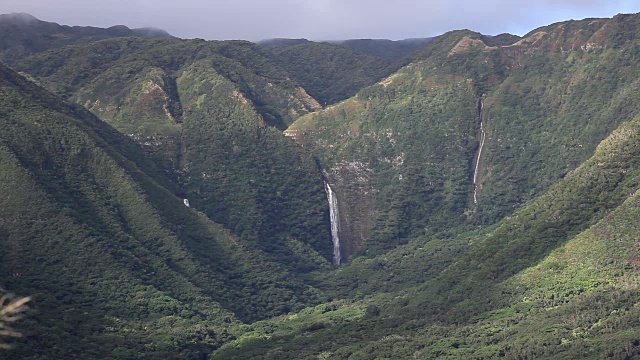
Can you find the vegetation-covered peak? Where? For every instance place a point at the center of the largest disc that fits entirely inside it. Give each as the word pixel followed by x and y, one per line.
pixel 208 112
pixel 18 18
pixel 81 69
pixel 509 117
pixel 22 35
pixel 391 50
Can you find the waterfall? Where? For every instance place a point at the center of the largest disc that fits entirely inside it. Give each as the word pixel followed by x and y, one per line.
pixel 335 222
pixel 482 139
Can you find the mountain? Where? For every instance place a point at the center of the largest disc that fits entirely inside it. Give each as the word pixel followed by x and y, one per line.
pixel 469 132
pixel 208 112
pixel 390 50
pixel 336 70
pixel 180 198
pixel 557 279
pixel 331 73
pixel 113 259
pixel 386 49
pixel 22 35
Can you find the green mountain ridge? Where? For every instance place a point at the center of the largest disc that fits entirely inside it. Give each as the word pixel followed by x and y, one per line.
pixel 394 50
pixel 281 42
pixel 416 135
pixel 96 240
pixel 556 280
pixel 22 35
pixel 207 112
pixel 329 72
pixel 391 50
pixel 169 201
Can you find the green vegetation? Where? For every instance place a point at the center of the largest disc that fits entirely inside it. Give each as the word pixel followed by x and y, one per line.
pixel 281 42
pixel 405 150
pixel 116 264
pixel 22 35
pixel 331 73
pixel 558 279
pixel 207 112
pixel 544 265
pixel 400 151
pixel 386 49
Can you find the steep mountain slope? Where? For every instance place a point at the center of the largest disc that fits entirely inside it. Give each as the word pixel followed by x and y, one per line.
pixel 473 129
pixel 558 279
pixel 117 265
pixel 331 73
pixel 398 153
pixel 22 35
pixel 207 112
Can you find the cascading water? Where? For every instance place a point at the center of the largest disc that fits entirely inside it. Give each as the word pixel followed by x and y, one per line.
pixel 482 138
pixel 335 222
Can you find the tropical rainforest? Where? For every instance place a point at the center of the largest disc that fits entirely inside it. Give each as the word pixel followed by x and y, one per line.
pixel 459 197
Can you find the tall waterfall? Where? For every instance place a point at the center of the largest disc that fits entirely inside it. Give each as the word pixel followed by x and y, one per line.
pixel 483 136
pixel 335 222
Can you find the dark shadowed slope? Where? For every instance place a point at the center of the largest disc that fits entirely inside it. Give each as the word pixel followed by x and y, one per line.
pixel 331 73
pixel 209 112
pixel 117 265
pixel 386 49
pixel 22 35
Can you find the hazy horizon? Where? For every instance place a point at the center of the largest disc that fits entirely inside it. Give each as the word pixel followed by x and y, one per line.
pixel 320 19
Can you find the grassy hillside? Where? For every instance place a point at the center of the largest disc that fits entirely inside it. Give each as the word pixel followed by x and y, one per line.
pixel 404 152
pixel 558 279
pixel 22 35
pixel 117 266
pixel 208 112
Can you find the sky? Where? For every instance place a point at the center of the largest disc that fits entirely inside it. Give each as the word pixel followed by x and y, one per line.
pixel 319 19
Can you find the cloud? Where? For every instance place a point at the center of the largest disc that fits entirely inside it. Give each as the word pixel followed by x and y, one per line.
pixel 319 19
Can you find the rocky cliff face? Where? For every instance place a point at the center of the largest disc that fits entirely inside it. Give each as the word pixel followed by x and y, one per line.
pixel 355 198
pixel 403 153
pixel 388 150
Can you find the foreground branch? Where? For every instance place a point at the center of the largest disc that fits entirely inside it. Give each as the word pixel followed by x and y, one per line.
pixel 11 309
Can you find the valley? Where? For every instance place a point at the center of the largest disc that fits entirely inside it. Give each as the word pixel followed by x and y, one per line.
pixel 463 196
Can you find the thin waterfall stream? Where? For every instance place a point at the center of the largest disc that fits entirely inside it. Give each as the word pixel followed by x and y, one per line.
pixel 483 136
pixel 335 222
